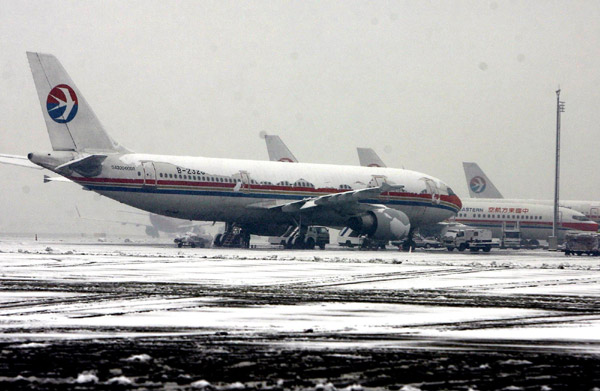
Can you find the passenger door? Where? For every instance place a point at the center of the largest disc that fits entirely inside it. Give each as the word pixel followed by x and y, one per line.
pixel 149 174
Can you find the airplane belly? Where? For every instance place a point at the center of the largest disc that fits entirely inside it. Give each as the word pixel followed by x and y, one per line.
pixel 194 207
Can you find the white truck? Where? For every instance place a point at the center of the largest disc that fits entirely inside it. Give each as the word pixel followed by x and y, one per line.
pixel 350 238
pixel 474 239
pixel 292 238
pixel 511 238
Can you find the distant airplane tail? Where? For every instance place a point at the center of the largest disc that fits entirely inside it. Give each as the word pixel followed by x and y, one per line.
pixel 71 123
pixel 278 151
pixel 478 183
pixel 369 158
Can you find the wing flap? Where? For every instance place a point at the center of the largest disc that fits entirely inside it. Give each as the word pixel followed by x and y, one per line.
pixel 346 200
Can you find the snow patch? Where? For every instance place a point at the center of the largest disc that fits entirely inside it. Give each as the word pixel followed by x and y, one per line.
pixel 31 345
pixel 325 387
pixel 121 380
pixel 139 358
pixel 515 362
pixel 235 386
pixel 202 385
pixel 87 377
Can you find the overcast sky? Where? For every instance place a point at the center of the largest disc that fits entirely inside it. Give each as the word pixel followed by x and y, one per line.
pixel 428 85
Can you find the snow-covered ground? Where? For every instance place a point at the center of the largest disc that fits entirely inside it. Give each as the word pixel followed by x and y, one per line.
pixel 64 290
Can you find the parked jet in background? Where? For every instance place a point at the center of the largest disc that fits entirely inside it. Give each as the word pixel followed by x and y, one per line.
pixel 261 198
pixel 278 151
pixel 480 186
pixel 369 158
pixel 534 221
pixel 156 225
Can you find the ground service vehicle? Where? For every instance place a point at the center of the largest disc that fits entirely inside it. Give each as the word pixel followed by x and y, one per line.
pixel 418 242
pixel 474 239
pixel 193 240
pixel 582 243
pixel 350 238
pixel 312 236
pixel 511 238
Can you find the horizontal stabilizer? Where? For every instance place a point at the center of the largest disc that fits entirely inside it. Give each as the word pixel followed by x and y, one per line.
pixel 88 166
pixel 48 179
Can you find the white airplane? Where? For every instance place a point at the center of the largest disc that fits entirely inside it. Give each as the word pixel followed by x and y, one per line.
pixel 261 198
pixel 481 187
pixel 534 220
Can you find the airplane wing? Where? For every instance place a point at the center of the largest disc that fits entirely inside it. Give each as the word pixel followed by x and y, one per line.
pixel 346 202
pixel 17 160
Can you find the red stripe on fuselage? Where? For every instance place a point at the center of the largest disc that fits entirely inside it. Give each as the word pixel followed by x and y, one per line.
pixel 452 199
pixel 593 227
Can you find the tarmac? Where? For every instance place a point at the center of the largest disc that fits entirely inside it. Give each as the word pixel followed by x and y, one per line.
pixel 152 316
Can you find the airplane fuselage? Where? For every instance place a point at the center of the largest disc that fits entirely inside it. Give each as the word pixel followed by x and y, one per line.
pixel 248 192
pixel 533 220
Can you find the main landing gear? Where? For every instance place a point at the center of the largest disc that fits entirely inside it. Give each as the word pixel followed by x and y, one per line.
pixel 233 237
pixel 409 243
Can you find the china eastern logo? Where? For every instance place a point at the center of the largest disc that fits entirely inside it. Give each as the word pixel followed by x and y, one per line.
pixel 477 184
pixel 62 104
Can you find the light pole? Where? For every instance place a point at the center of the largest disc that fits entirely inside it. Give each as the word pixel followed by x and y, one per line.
pixel 553 240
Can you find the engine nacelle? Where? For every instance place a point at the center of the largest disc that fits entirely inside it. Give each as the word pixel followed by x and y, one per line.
pixel 381 224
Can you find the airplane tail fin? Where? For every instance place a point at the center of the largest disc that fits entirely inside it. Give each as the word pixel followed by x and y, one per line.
pixel 278 151
pixel 71 123
pixel 369 158
pixel 478 183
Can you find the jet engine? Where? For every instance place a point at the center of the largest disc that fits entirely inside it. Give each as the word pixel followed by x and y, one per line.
pixel 381 224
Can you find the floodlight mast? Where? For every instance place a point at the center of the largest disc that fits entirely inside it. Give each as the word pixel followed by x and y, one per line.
pixel 560 108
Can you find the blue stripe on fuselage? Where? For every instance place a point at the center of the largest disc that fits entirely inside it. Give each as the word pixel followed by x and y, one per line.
pixel 242 194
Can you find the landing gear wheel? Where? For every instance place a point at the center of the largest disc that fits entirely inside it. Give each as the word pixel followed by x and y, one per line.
pixel 217 241
pixel 299 242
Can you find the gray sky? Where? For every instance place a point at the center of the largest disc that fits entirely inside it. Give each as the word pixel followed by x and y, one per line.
pixel 426 84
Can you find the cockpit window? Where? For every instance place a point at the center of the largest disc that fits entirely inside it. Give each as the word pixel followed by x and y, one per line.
pixel 451 192
pixel 580 218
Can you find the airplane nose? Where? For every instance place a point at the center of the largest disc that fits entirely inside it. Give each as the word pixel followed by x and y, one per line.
pixel 453 199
